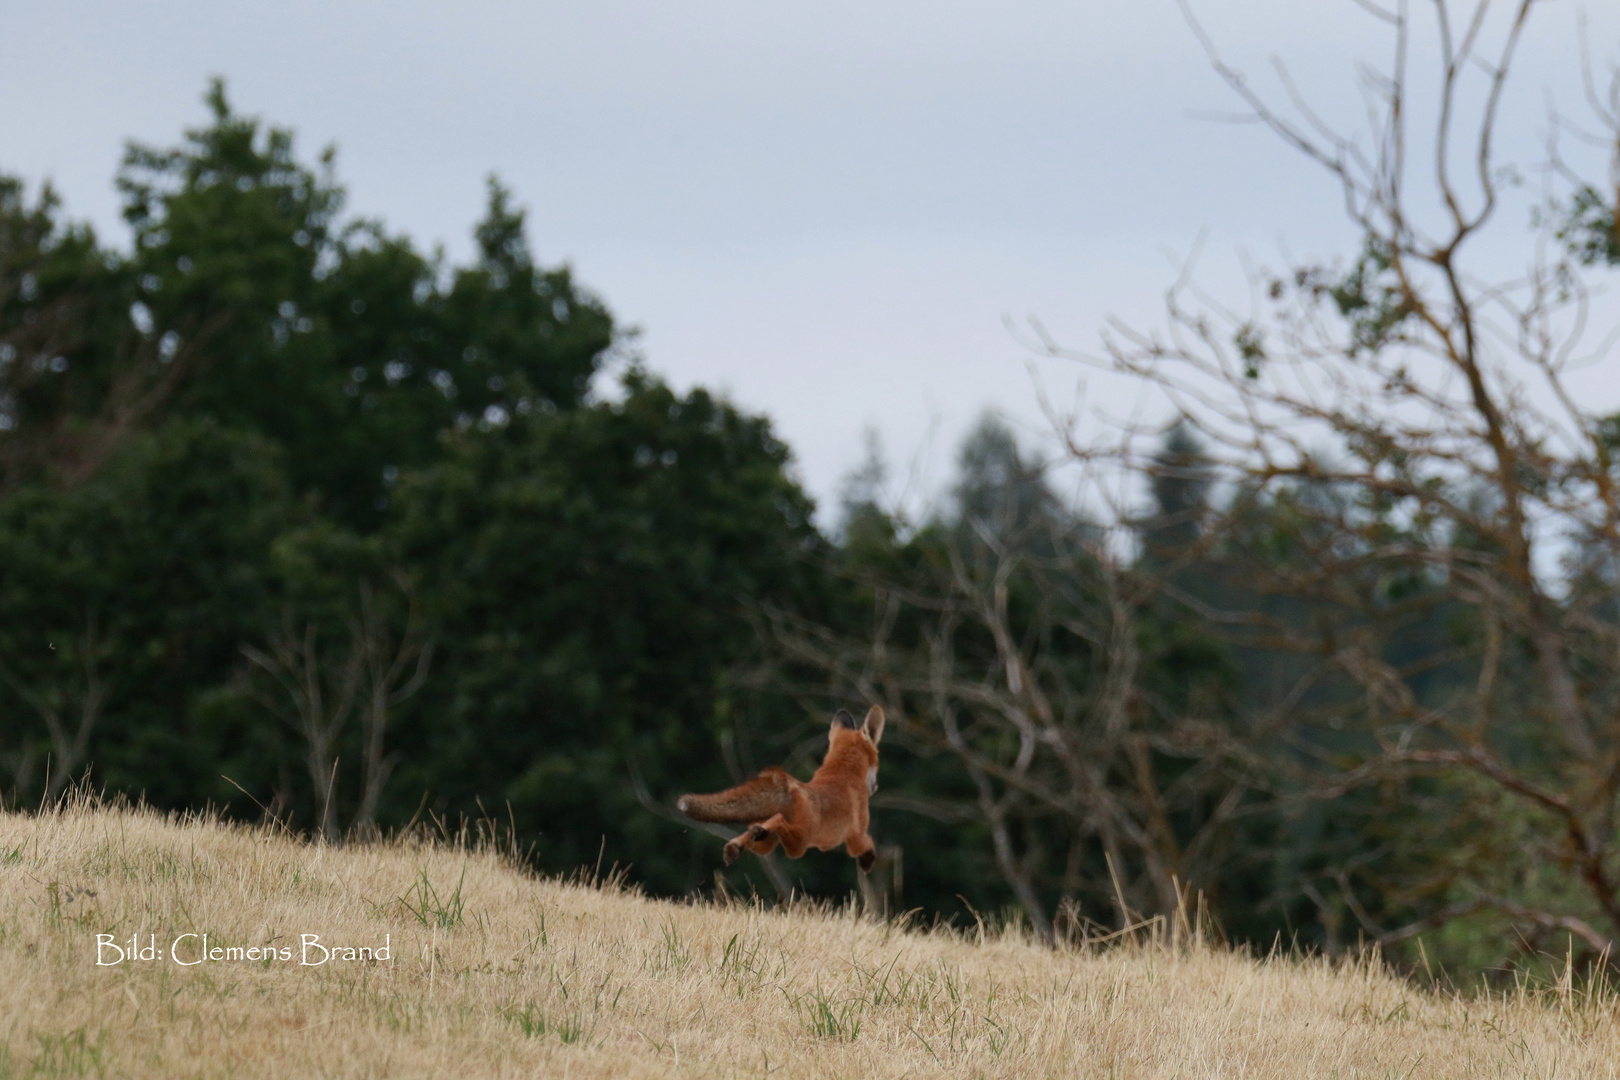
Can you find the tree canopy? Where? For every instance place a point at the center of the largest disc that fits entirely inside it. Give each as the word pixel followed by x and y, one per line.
pixel 298 518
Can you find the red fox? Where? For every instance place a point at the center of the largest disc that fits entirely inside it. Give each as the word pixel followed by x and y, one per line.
pixel 829 810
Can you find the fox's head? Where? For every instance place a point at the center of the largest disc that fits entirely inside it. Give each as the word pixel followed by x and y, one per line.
pixel 864 736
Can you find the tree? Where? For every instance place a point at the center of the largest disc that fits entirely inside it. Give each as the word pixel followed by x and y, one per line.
pixel 124 596
pixel 252 310
pixel 1083 759
pixel 1416 476
pixel 331 337
pixel 587 570
pixel 361 532
pixel 80 371
pixel 335 585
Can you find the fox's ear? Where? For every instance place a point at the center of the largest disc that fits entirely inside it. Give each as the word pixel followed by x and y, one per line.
pixel 873 724
pixel 842 719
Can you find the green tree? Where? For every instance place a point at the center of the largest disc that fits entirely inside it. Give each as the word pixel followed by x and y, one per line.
pixel 364 531
pixel 339 342
pixel 122 600
pixel 588 570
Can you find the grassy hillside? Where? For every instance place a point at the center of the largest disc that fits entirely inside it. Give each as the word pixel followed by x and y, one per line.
pixel 491 973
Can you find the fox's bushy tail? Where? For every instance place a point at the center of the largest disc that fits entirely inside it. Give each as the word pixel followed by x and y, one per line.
pixel 768 793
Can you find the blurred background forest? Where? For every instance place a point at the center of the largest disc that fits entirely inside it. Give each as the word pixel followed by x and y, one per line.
pixel 302 521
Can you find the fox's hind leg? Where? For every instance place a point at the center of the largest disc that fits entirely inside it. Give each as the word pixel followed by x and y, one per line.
pixel 862 849
pixel 759 838
pixel 762 837
pixel 778 829
pixel 739 844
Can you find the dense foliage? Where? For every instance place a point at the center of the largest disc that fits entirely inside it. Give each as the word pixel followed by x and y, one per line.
pixel 293 514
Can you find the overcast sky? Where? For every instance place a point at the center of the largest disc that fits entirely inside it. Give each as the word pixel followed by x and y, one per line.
pixel 826 211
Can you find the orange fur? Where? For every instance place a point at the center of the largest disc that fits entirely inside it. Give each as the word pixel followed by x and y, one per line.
pixel 766 794
pixel 828 810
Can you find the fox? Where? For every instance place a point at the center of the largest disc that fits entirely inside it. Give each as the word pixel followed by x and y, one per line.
pixel 831 809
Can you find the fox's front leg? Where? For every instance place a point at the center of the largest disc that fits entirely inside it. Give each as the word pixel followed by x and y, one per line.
pixel 862 849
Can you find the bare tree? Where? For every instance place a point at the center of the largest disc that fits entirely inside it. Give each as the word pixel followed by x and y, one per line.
pixel 69 703
pixel 394 665
pixel 383 660
pixel 317 695
pixel 1015 652
pixel 1413 426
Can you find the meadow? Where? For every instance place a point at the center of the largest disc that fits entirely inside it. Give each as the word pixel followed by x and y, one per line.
pixel 464 966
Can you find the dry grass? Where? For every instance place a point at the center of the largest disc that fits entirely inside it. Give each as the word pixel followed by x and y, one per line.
pixel 497 974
